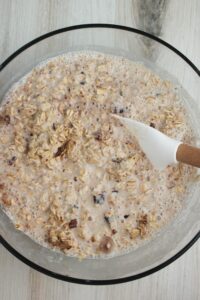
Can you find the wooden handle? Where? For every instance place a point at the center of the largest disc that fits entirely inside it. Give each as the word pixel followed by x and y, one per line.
pixel 188 155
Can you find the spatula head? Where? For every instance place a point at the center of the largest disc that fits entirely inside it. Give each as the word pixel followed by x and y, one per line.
pixel 159 148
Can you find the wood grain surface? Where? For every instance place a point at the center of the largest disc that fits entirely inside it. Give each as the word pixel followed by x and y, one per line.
pixel 178 22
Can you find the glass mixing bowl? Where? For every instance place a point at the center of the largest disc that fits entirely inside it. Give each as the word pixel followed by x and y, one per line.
pixel 180 234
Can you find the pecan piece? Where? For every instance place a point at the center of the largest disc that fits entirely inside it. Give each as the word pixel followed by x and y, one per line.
pixel 106 245
pixel 6 201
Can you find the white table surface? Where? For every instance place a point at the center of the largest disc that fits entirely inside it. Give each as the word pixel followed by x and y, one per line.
pixel 23 20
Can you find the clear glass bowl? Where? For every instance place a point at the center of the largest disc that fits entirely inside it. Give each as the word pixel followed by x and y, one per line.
pixel 178 236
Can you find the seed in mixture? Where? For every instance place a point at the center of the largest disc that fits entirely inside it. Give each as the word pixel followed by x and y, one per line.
pixel 71 176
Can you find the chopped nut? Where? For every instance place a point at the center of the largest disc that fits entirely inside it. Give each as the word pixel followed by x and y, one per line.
pixel 5 119
pixel 61 149
pixel 106 245
pixel 101 91
pixel 142 224
pixel 93 239
pixel 6 200
pixel 59 239
pixel 135 232
pixel 143 219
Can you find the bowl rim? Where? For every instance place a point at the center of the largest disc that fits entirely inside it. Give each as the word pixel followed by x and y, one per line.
pixel 89 281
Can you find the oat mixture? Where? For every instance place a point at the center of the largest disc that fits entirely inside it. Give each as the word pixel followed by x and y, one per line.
pixel 71 176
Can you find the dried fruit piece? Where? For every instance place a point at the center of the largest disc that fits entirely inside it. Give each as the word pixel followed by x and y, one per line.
pixel 126 216
pixel 98 135
pixel 61 149
pixel 73 223
pixel 106 245
pixel 12 160
pixel 93 239
pixel 152 125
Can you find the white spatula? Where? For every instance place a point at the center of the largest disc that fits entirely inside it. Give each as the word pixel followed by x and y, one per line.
pixel 160 149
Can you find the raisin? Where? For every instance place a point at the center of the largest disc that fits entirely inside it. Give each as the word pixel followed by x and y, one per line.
pixel 54 126
pixel 82 82
pixel 73 224
pixel 121 93
pixel 152 125
pixel 98 135
pixel 121 111
pixel 126 216
pixel 107 219
pixel 61 149
pixel 114 231
pixel 12 160
pixel 93 239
